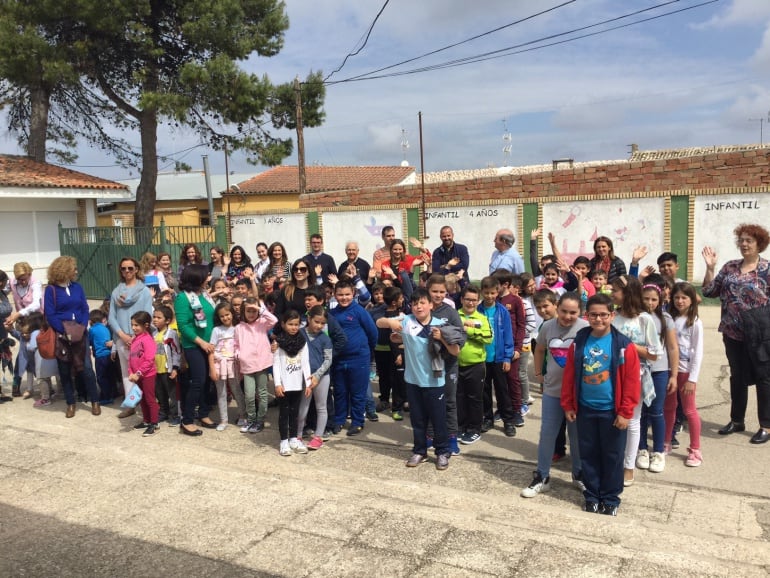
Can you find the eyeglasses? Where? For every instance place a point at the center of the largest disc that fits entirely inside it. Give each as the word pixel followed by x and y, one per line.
pixel 599 315
pixel 128 268
pixel 300 269
pixel 470 299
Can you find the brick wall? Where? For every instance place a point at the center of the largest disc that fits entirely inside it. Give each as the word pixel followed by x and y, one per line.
pixel 711 171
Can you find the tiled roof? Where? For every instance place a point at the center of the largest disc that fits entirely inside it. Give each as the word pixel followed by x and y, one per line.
pixel 285 179
pixel 19 171
pixel 664 154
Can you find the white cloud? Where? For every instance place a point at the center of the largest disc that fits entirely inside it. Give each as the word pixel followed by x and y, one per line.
pixel 738 13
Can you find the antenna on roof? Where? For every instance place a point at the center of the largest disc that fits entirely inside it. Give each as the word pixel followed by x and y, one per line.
pixel 506 144
pixel 404 147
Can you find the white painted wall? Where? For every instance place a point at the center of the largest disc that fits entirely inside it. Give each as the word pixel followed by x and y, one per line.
pixel 364 226
pixel 715 219
pixel 628 222
pixel 290 229
pixel 29 231
pixel 475 227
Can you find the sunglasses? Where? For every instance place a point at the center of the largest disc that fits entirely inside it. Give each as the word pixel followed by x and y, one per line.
pixel 128 268
pixel 300 269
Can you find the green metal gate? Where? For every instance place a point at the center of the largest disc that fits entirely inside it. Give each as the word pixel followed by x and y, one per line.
pixel 99 250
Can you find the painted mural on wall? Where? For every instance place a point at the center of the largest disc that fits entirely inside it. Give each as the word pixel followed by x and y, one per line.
pixel 475 227
pixel 365 227
pixel 715 219
pixel 290 229
pixel 627 222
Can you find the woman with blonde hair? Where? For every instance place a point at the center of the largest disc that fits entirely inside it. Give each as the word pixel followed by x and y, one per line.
pixel 66 310
pixel 27 295
pixel 153 276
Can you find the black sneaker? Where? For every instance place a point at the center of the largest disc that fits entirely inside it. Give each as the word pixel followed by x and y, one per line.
pixel 674 443
pixel 608 510
pixel 354 430
pixel 151 430
pixel 372 416
pixel 142 425
pixel 487 425
pixel 510 430
pixel 336 429
pixel 592 508
pixel 518 420
pixel 497 417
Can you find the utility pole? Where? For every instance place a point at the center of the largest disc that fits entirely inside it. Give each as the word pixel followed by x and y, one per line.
pixel 300 137
pixel 422 181
pixel 761 127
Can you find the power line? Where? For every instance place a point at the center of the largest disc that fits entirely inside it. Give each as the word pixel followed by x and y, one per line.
pixel 511 50
pixel 366 39
pixel 472 38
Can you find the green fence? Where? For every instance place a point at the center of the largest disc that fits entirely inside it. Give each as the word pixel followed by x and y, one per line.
pixel 98 250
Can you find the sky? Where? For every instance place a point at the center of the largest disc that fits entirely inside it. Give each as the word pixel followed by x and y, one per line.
pixel 697 78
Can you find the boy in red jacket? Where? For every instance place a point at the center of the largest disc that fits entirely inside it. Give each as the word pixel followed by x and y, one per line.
pixel 600 389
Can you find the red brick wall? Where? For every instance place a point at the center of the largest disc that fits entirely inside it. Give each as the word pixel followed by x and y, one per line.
pixel 713 171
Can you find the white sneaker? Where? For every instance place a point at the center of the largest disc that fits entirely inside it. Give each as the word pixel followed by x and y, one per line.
pixel 285 450
pixel 657 462
pixel 222 427
pixel 242 421
pixel 294 443
pixel 538 485
pixel 643 460
pixel 300 447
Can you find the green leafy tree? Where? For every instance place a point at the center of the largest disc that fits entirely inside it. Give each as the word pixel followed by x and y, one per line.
pixel 142 63
pixel 177 62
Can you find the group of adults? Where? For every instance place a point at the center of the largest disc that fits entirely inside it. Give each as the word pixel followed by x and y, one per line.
pixel 742 285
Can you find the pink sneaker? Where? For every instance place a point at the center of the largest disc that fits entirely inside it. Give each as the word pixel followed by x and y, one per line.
pixel 41 403
pixel 694 458
pixel 315 444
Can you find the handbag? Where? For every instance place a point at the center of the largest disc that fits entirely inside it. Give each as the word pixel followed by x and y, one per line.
pixel 46 343
pixel 133 397
pixel 74 331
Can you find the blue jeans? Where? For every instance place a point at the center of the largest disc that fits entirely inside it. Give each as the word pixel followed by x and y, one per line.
pixel 87 375
pixel 602 448
pixel 350 378
pixel 653 415
pixel 428 404
pixel 104 377
pixel 194 386
pixel 550 424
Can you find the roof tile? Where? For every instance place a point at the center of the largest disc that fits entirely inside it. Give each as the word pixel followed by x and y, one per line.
pixel 20 171
pixel 285 179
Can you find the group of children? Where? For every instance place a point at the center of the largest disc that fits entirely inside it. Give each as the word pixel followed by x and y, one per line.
pixel 614 360
pixel 613 369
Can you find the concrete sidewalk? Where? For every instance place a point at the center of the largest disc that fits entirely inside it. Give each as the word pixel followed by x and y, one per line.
pixel 89 496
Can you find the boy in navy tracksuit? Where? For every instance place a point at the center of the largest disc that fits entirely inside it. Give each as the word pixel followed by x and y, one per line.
pixel 499 356
pixel 350 369
pixel 600 389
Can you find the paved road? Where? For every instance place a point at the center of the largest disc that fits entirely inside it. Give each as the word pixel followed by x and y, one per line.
pixel 90 497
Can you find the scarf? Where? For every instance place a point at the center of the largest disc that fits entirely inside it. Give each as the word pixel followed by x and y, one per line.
pixel 198 314
pixel 291 344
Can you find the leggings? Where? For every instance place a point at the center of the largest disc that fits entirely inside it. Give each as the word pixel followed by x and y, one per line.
pixel 690 412
pixel 235 387
pixel 320 392
pixel 288 410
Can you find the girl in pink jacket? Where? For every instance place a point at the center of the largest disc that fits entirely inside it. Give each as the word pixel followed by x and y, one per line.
pixel 252 350
pixel 142 371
